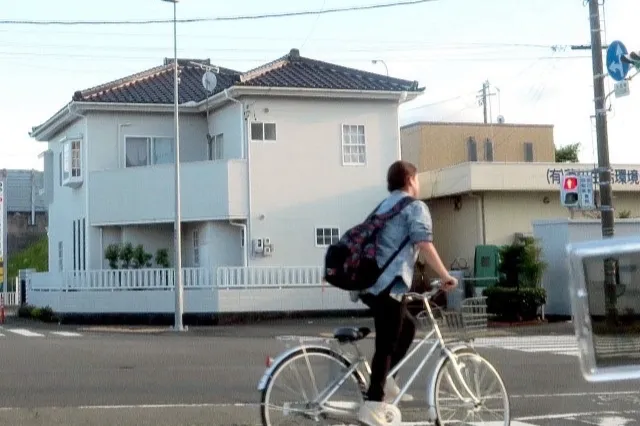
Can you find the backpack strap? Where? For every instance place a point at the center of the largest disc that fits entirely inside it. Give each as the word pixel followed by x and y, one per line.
pixel 397 208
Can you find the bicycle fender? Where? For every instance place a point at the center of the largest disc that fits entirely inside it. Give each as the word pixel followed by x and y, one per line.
pixel 431 384
pixel 262 383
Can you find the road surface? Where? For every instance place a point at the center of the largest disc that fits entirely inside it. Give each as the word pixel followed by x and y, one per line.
pixel 55 375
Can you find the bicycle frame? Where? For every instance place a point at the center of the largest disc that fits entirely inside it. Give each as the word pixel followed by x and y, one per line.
pixel 324 396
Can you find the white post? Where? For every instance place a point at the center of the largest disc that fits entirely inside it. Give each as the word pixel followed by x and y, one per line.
pixel 178 285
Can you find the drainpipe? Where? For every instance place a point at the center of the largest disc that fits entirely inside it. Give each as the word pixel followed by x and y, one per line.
pixel 244 142
pixel 85 173
pixel 33 197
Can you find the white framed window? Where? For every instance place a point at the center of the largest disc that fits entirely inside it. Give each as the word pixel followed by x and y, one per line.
pixel 143 151
pixel 327 236
pixel 265 132
pixel 60 256
pixel 71 163
pixel 243 237
pixel 196 247
pixel 215 147
pixel 354 147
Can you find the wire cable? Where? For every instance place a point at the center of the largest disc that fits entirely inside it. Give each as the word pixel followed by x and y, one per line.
pixel 220 18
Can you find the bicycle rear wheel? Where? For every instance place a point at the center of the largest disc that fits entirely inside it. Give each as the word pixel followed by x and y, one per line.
pixel 300 378
pixel 454 405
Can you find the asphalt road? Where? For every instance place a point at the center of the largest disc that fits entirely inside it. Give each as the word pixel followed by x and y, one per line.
pixel 208 376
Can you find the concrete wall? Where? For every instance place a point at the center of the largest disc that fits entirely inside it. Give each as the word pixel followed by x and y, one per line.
pixel 433 145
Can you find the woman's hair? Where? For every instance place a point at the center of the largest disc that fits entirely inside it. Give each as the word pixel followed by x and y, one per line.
pixel 399 174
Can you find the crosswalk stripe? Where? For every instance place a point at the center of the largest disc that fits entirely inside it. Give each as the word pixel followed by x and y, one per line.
pixel 66 333
pixel 24 332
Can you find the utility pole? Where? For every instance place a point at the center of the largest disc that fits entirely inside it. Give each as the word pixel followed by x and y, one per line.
pixel 604 172
pixel 482 99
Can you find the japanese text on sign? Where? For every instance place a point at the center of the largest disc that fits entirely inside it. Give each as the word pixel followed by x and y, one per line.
pixel 619 176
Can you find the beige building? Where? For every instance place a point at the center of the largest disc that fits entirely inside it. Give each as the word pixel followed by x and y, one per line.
pixel 481 203
pixel 434 145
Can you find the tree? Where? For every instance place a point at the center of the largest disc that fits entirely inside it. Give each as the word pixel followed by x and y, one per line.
pixel 568 153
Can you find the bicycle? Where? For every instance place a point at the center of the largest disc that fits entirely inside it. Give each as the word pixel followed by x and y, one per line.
pixel 457 354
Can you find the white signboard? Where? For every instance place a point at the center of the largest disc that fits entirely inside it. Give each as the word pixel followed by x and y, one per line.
pixel 585 186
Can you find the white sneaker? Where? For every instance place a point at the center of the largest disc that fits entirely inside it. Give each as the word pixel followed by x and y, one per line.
pixel 391 390
pixel 374 413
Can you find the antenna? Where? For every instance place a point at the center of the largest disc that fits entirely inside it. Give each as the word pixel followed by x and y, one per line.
pixel 209 81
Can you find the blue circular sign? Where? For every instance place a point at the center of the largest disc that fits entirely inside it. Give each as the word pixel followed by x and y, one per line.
pixel 617 69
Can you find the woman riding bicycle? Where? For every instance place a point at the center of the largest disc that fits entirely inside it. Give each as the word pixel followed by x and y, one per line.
pixel 394 329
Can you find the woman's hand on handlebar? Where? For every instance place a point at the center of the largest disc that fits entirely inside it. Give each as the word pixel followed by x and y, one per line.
pixel 447 283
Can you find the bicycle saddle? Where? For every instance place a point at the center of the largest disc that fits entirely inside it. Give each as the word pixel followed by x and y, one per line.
pixel 351 334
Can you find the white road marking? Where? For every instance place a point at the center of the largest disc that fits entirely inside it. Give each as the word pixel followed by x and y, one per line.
pixel 559 345
pixel 24 332
pixel 587 413
pixel 66 333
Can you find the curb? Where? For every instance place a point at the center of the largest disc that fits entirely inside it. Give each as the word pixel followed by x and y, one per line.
pixel 127 330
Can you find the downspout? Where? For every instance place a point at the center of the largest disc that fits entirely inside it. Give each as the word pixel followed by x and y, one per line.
pixel 244 153
pixel 85 173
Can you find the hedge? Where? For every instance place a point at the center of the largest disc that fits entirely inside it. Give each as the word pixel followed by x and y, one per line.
pixel 512 304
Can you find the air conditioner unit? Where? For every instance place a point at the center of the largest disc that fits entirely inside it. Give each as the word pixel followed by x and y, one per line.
pixel 268 250
pixel 258 245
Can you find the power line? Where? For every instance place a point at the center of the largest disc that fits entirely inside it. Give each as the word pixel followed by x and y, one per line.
pixel 221 18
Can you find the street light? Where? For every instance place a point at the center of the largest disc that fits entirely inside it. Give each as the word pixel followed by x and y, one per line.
pixel 375 61
pixel 177 232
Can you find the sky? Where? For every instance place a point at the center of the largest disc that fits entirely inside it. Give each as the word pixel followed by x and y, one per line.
pixel 450 46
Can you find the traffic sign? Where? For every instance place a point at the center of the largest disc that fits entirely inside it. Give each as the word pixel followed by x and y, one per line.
pixel 618 69
pixel 585 185
pixel 570 193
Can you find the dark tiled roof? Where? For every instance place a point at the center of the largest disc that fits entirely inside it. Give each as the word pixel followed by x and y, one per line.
pixel 155 85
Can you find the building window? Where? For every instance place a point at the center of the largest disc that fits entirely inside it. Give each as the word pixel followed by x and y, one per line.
pixel 215 146
pixel 472 149
pixel 353 145
pixel 196 247
pixel 528 152
pixel 146 151
pixel 263 131
pixel 71 163
pixel 242 237
pixel 327 236
pixel 488 150
pixel 60 257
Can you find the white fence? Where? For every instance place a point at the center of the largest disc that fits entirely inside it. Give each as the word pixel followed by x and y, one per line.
pixel 225 289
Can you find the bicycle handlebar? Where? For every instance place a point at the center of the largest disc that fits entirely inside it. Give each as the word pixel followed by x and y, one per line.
pixel 436 288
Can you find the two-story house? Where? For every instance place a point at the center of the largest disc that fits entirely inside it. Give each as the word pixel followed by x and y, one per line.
pixel 487 183
pixel 276 163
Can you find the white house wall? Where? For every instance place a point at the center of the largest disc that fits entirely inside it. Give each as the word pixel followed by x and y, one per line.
pixel 226 121
pixel 299 182
pixel 68 203
pixel 152 238
pixel 108 132
pixel 223 244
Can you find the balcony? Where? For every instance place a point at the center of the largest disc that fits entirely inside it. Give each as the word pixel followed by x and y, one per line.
pixel 210 190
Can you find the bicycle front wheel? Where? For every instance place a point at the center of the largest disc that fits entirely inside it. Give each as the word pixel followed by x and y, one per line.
pixel 454 404
pixel 291 393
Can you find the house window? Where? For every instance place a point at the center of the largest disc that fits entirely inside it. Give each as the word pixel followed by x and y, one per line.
pixel 196 247
pixel 146 151
pixel 263 131
pixel 70 160
pixel 472 149
pixel 528 152
pixel 353 145
pixel 242 238
pixel 215 146
pixel 60 257
pixel 488 150
pixel 327 236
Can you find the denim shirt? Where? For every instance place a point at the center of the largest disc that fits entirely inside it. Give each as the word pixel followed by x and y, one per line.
pixel 415 221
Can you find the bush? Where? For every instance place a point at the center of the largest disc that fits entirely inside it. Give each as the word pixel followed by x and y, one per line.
pixel 520 264
pixel 512 304
pixel 45 314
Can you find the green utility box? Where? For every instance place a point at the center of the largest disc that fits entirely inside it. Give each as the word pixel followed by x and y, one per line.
pixel 486 266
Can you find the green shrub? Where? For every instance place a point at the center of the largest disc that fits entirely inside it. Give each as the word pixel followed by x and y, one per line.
pixel 520 264
pixel 45 314
pixel 512 304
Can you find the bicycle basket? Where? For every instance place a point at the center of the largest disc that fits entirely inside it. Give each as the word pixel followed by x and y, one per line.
pixel 458 325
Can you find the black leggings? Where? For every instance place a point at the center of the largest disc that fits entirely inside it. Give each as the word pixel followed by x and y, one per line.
pixel 394 334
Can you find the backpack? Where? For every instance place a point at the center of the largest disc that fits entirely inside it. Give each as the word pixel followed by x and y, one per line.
pixel 350 263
